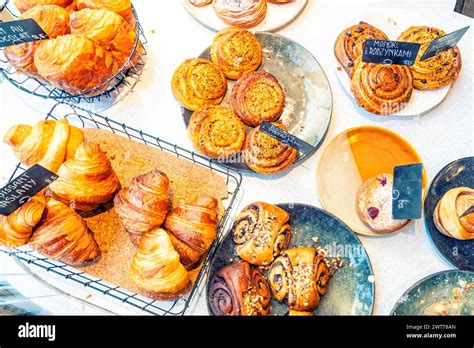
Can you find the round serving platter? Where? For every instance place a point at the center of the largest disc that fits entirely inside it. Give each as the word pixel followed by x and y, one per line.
pixel 443 293
pixel 351 290
pixel 308 96
pixel 458 173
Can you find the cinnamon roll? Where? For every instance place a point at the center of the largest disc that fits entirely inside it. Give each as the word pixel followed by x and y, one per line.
pixel 266 155
pixel 349 44
pixel 198 83
pixel 236 52
pixel 438 71
pixel 241 13
pixel 239 289
pixel 257 97
pixel 260 232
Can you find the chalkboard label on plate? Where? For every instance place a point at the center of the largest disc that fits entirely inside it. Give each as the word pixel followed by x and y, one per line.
pixel 19 191
pixel 443 43
pixel 20 31
pixel 407 191
pixel 390 52
pixel 286 138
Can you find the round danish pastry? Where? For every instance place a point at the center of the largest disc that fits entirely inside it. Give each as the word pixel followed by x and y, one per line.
pixel 241 13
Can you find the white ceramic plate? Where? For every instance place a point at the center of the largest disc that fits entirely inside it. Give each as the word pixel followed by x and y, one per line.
pixel 277 16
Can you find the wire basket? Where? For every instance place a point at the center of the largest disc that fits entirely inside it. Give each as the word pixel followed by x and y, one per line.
pixel 124 79
pixel 83 118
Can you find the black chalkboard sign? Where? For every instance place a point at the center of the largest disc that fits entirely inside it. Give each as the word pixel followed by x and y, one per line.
pixel 20 31
pixel 443 43
pixel 407 191
pixel 390 52
pixel 18 191
pixel 286 138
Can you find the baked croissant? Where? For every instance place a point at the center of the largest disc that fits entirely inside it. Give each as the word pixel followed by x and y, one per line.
pixel 301 276
pixel 86 180
pixel 241 13
pixel 261 232
pixel 63 235
pixel 239 289
pixel 156 268
pixel 122 7
pixel 438 71
pixel 236 52
pixel 48 143
pixel 16 229
pixel 143 206
pixel 25 5
pixel 452 205
pixel 192 228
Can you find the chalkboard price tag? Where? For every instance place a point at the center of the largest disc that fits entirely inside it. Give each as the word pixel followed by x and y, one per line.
pixel 20 31
pixel 390 52
pixel 443 43
pixel 407 191
pixel 18 191
pixel 286 138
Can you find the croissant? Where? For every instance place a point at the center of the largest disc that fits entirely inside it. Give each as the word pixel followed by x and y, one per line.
pixel 156 268
pixel 143 206
pixel 63 235
pixel 261 232
pixel 86 180
pixel 48 143
pixel 236 52
pixel 122 7
pixel 241 13
pixel 16 229
pixel 438 71
pixel 301 276
pixel 216 132
pixel 266 155
pixel 25 5
pixel 452 205
pixel 198 83
pixel 192 228
pixel 239 289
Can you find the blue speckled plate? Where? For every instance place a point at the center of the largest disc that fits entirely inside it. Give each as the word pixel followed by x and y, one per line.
pixel 443 293
pixel 351 290
pixel 458 173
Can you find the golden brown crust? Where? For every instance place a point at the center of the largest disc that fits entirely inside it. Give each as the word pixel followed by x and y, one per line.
pixel 438 71
pixel 243 14
pixel 293 313
pixel 25 5
pixel 122 7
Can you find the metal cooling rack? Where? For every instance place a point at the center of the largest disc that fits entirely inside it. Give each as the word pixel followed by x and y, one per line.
pixel 124 79
pixel 87 119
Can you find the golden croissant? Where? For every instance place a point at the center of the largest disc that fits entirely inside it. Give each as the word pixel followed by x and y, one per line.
pixel 25 5
pixel 143 206
pixel 48 143
pixel 86 180
pixel 193 228
pixel 63 235
pixel 16 229
pixel 156 268
pixel 122 7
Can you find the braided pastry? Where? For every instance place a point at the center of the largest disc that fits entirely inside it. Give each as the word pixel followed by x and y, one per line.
pixel 241 13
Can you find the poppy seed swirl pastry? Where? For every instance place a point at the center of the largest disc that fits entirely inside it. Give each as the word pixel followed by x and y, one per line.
pixel 256 97
pixel 260 232
pixel 198 83
pixel 239 289
pixel 216 132
pixel 301 276
pixel 349 45
pixel 382 89
pixel 236 52
pixel 241 13
pixel 438 71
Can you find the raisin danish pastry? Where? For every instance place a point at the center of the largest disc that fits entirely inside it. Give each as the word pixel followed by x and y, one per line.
pixel 239 289
pixel 241 13
pixel 260 232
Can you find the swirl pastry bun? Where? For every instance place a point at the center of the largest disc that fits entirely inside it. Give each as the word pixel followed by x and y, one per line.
pixel 256 97
pixel 260 232
pixel 198 83
pixel 266 155
pixel 216 132
pixel 382 89
pixel 239 289
pixel 121 7
pixel 25 5
pixel 349 44
pixel 438 71
pixel 374 204
pixel 452 205
pixel 236 52
pixel 241 13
